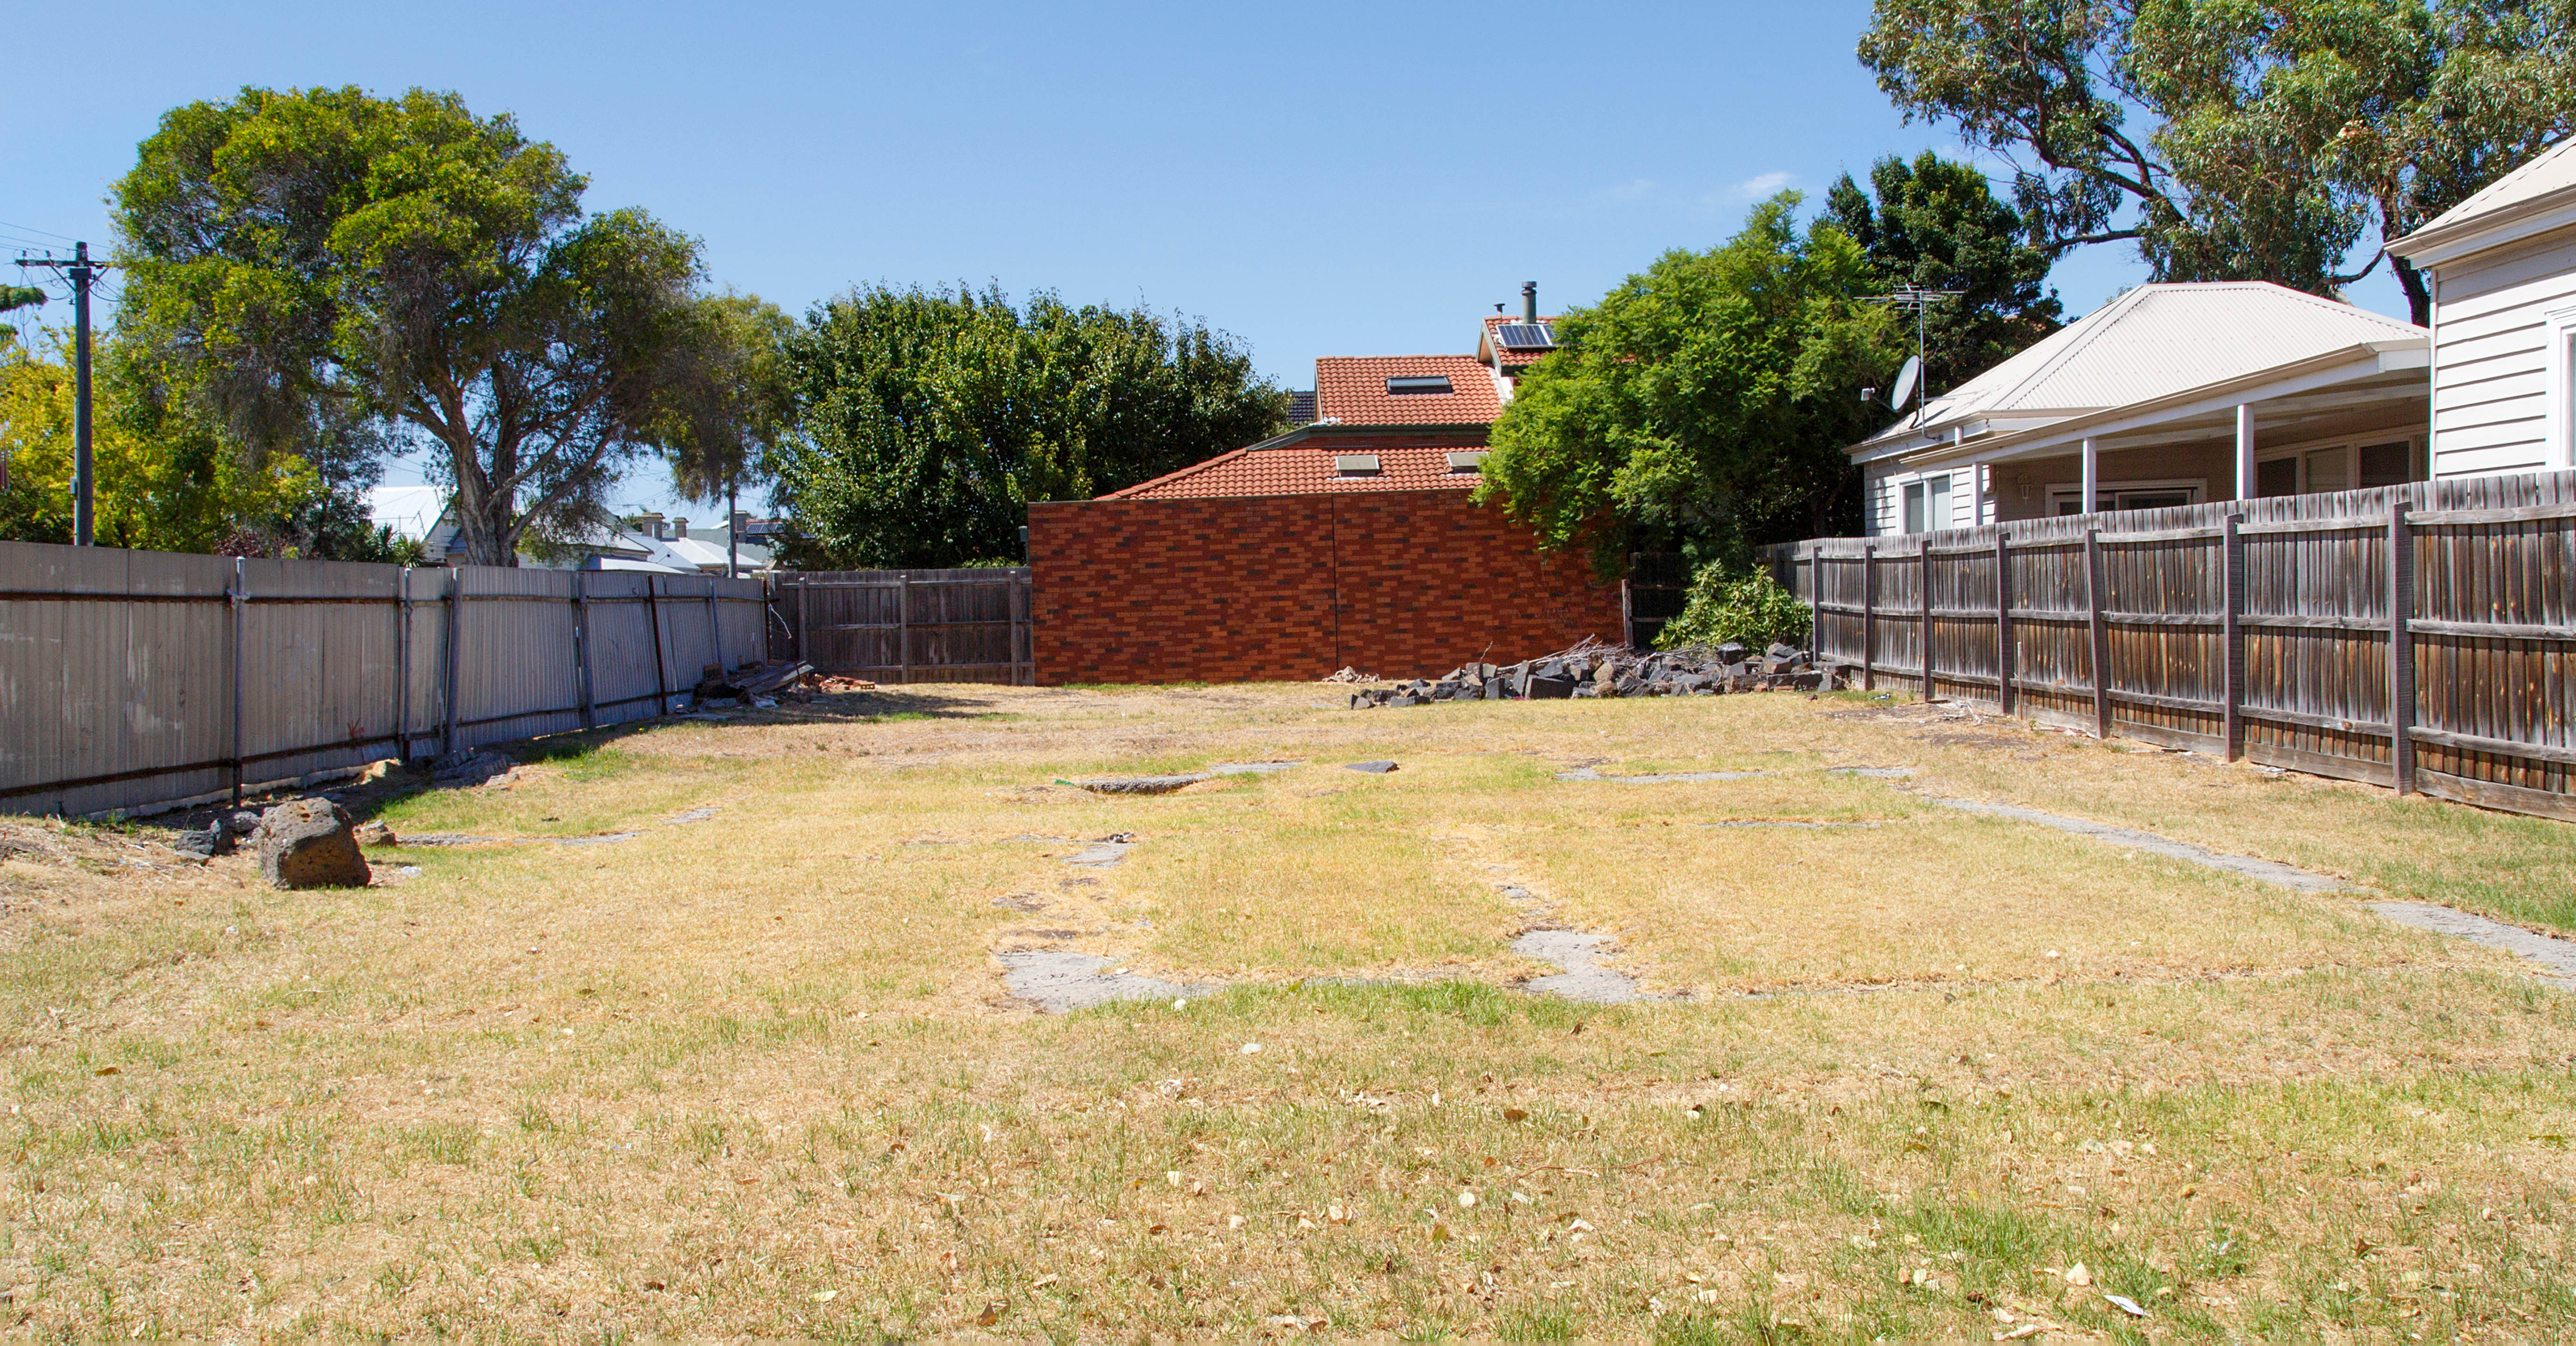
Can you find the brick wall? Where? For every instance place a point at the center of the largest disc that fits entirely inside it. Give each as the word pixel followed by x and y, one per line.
pixel 1263 588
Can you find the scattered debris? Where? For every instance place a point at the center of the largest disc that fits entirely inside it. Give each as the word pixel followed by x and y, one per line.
pixel 1139 785
pixel 1593 669
pixel 469 767
pixel 1350 676
pixel 748 683
pixel 1107 851
pixel 1378 768
pixel 834 682
pixel 374 834
pixel 2125 1305
pixel 2558 955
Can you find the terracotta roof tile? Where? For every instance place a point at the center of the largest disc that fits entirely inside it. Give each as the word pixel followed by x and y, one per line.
pixel 1351 389
pixel 1306 467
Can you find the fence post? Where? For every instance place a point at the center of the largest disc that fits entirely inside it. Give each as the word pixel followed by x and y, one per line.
pixel 455 635
pixel 1869 617
pixel 653 619
pixel 2003 621
pixel 239 594
pixel 2093 586
pixel 715 627
pixel 2401 645
pixel 804 623
pixel 581 646
pixel 903 625
pixel 2231 562
pixel 402 666
pixel 1927 618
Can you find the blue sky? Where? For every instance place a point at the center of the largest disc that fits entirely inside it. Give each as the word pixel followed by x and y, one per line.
pixel 1318 179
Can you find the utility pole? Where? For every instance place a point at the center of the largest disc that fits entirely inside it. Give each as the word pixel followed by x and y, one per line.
pixel 733 529
pixel 80 271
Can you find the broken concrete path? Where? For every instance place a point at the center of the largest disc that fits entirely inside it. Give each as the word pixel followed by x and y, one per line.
pixel 2269 871
pixel 1378 768
pixel 1584 978
pixel 2557 955
pixel 1140 785
pixel 1061 982
pixel 1662 778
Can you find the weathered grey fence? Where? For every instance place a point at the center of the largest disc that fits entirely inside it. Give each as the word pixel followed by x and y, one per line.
pixel 2415 636
pixel 130 679
pixel 968 625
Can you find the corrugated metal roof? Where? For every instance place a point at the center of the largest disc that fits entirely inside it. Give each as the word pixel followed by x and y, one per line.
pixel 2553 170
pixel 2156 341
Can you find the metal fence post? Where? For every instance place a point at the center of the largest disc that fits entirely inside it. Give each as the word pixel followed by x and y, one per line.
pixel 455 637
pixel 653 617
pixel 2401 645
pixel 2094 584
pixel 581 646
pixel 402 666
pixel 1869 617
pixel 2003 621
pixel 239 594
pixel 715 627
pixel 903 624
pixel 804 624
pixel 2231 563
pixel 1927 618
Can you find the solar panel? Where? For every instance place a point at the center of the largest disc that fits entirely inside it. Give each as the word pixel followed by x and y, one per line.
pixel 1523 335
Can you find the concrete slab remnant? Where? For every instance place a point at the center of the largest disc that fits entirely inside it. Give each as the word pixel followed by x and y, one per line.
pixel 1373 768
pixel 1586 773
pixel 2269 871
pixel 2555 954
pixel 1584 978
pixel 1251 768
pixel 1060 982
pixel 1142 785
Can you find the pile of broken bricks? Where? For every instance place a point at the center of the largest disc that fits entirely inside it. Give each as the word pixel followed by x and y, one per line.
pixel 1610 670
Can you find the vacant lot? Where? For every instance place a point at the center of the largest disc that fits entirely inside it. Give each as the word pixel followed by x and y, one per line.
pixel 745 1059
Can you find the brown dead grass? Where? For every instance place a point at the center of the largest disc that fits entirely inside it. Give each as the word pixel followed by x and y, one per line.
pixel 757 1073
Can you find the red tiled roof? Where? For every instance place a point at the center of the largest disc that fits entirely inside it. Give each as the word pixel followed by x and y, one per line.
pixel 1351 389
pixel 1305 467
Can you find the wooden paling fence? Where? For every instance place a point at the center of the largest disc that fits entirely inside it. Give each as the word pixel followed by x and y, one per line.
pixel 899 626
pixel 133 679
pixel 2414 636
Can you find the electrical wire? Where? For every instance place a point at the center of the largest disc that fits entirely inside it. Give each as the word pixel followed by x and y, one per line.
pixel 4 224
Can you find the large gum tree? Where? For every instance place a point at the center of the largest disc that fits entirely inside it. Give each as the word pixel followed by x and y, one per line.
pixel 302 258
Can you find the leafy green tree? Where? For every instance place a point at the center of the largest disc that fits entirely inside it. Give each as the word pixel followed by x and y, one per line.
pixel 929 419
pixel 730 431
pixel 308 262
pixel 1937 224
pixel 2238 139
pixel 1705 402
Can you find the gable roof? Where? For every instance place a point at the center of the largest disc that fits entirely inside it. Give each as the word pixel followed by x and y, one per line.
pixel 1351 389
pixel 2153 342
pixel 2541 194
pixel 1301 463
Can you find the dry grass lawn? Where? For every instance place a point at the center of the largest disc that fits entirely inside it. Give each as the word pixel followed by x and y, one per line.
pixel 757 1071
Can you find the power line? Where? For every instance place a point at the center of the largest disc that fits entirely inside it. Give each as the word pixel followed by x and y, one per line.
pixel 4 224
pixel 80 271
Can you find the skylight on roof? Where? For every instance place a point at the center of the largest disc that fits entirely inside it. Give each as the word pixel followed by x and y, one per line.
pixel 1525 335
pixel 1413 384
pixel 1355 465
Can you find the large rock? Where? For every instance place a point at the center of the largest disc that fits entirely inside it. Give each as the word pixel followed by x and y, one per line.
pixel 305 843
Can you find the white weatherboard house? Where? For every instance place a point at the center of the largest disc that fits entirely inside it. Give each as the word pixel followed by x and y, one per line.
pixel 2171 394
pixel 2503 267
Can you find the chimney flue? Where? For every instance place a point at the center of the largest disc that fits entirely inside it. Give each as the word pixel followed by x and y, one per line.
pixel 1529 301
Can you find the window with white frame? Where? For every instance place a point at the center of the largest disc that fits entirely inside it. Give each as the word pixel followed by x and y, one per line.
pixel 1927 504
pixel 2356 464
pixel 2067 497
pixel 2562 388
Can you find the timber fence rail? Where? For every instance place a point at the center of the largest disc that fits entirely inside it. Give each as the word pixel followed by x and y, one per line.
pixel 902 626
pixel 2414 636
pixel 132 680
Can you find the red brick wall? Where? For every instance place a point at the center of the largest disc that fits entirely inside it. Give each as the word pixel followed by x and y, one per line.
pixel 1398 583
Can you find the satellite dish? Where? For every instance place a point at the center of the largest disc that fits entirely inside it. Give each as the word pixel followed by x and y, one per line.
pixel 1905 377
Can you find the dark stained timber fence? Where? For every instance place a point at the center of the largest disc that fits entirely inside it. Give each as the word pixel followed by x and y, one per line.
pixel 896 626
pixel 2414 636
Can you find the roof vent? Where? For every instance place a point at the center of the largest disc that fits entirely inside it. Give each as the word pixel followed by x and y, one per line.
pixel 1355 464
pixel 1417 383
pixel 1467 460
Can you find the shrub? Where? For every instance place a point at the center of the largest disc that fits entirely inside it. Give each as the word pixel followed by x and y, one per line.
pixel 1750 607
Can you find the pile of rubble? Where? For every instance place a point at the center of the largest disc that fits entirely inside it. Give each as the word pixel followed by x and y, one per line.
pixel 1612 670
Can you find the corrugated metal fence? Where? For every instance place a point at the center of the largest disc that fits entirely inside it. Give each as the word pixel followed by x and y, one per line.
pixel 130 679
pixel 2416 636
pixel 897 626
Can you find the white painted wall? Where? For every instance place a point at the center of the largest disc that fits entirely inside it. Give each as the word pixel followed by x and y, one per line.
pixel 2503 322
pixel 1883 498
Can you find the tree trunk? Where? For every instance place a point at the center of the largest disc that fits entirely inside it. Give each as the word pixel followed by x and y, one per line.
pixel 2419 297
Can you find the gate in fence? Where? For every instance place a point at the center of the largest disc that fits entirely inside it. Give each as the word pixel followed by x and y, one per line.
pixel 898 626
pixel 2415 636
